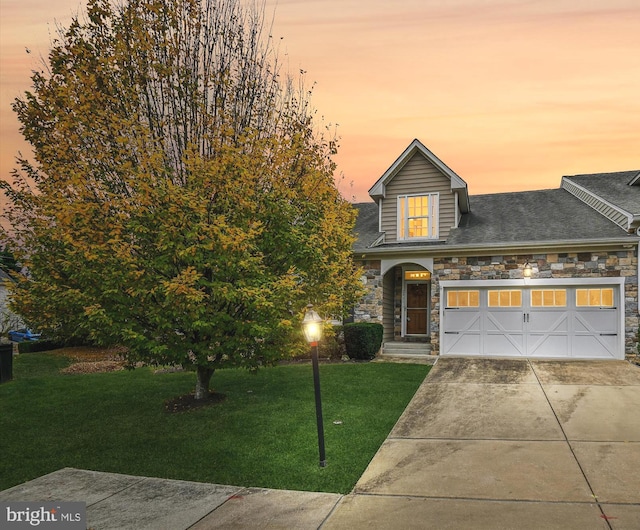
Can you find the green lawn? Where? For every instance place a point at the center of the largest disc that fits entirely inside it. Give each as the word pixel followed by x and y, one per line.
pixel 263 434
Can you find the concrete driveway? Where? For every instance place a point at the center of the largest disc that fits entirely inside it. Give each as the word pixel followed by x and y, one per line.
pixel 508 444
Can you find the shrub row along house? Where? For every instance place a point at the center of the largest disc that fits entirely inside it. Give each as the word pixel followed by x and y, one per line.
pixel 540 274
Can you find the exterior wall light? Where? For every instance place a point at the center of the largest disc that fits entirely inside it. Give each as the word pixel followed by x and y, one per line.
pixel 312 328
pixel 527 270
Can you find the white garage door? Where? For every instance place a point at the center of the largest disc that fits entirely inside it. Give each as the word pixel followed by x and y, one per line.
pixel 552 321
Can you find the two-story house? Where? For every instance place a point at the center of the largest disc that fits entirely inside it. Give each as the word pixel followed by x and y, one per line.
pixel 541 274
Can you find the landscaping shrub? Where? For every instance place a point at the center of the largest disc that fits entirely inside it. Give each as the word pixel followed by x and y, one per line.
pixel 331 345
pixel 38 345
pixel 363 339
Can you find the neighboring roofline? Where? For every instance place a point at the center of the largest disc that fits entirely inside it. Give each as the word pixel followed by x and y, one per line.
pixel 633 221
pixel 378 190
pixel 493 248
pixel 635 181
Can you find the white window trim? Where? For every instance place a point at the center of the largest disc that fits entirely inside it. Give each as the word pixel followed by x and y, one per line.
pixel 433 217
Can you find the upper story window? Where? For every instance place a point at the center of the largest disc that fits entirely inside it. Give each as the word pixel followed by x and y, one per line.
pixel 418 216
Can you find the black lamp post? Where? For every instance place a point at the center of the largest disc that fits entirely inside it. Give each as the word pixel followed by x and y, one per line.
pixel 312 327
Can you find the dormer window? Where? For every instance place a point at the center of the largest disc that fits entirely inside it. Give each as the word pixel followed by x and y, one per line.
pixel 418 216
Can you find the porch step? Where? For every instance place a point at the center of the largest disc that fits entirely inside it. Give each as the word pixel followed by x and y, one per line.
pixel 406 349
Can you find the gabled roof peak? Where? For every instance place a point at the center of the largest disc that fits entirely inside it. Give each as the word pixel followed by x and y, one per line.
pixel 378 190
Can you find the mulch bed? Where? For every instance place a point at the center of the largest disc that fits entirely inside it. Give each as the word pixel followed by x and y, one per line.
pixel 188 402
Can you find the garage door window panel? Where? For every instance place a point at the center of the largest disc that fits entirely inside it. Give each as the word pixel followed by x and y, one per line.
pixel 505 298
pixel 459 299
pixel 548 298
pixel 594 297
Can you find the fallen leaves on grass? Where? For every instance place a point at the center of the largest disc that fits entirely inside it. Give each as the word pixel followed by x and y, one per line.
pixel 91 359
pixel 93 367
pixel 83 354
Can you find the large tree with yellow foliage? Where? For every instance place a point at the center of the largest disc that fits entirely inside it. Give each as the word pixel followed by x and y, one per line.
pixel 180 198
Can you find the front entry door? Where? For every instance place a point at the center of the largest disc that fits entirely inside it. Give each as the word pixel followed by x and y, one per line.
pixel 416 310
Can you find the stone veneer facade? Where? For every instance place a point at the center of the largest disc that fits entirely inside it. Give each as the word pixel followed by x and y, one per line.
pixel 600 264
pixel 369 309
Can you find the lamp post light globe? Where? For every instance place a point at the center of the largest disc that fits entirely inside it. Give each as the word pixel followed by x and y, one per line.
pixel 312 327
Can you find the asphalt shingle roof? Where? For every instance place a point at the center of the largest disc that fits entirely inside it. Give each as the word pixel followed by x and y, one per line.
pixel 534 216
pixel 366 225
pixel 509 218
pixel 613 187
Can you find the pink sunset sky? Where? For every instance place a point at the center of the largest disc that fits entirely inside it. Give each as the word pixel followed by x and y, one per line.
pixel 511 94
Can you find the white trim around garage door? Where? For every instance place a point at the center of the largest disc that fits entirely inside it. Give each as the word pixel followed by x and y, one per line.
pixel 526 328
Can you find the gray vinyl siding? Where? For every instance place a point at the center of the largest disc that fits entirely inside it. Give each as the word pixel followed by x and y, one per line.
pixel 418 176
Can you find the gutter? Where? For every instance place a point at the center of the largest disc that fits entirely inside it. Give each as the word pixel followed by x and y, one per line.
pixel 522 246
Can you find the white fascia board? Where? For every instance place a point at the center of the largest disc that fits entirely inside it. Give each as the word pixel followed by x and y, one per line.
pixel 635 181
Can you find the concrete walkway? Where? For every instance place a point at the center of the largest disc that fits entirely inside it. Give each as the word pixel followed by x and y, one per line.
pixel 124 502
pixel 484 444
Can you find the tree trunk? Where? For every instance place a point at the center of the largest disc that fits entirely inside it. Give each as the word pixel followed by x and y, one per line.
pixel 203 376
